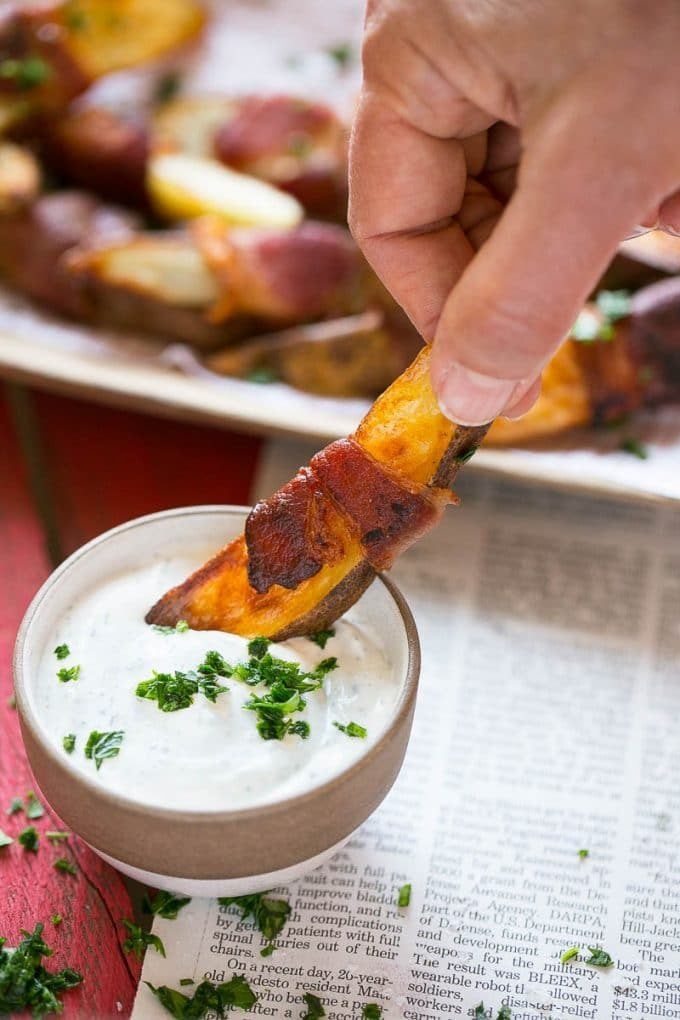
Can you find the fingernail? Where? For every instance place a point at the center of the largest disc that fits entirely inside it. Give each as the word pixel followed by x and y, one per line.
pixel 470 398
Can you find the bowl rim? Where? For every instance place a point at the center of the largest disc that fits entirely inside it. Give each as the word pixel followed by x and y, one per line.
pixel 30 719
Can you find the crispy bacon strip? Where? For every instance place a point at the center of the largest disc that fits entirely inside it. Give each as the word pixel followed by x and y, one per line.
pixel 311 550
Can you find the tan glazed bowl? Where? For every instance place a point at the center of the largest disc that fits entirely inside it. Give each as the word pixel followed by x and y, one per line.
pixel 221 852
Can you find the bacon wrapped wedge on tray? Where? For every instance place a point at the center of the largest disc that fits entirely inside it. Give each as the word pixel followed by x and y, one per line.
pixel 52 50
pixel 312 549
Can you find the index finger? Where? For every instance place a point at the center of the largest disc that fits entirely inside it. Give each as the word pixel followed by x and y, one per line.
pixel 406 188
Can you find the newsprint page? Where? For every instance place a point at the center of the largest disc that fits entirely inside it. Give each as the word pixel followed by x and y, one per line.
pixel 548 722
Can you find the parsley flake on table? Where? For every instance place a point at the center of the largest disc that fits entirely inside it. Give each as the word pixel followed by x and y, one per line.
pixel 207 998
pixel 583 854
pixel 404 896
pixel 103 745
pixel 371 1011
pixel 186 981
pixel 570 954
pixel 33 808
pixel 69 743
pixel 5 840
pixel 56 919
pixel 26 984
pixel 352 729
pixel 165 904
pixel 12 701
pixel 322 637
pixel 57 835
pixel 62 651
pixel 268 914
pixel 65 866
pixel 28 838
pixel 181 627
pixel 315 1010
pixel 138 940
pixel 504 1013
pixel 599 957
pixel 16 805
pixel 67 673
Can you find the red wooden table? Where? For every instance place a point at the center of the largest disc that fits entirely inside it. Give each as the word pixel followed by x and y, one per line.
pixel 69 470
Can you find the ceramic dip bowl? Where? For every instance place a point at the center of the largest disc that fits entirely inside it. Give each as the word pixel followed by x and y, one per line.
pixel 188 839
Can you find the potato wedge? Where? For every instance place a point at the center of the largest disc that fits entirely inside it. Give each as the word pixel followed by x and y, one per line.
pixel 360 502
pixel 167 267
pixel 20 178
pixel 52 51
pixel 189 124
pixel 183 187
pixel 355 356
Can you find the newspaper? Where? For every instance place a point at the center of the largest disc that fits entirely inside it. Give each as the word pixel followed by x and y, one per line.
pixel 547 724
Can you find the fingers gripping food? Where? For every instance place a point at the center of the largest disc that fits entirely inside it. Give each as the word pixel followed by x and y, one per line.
pixel 312 549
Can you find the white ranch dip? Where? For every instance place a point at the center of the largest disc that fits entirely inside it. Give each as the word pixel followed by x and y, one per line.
pixel 207 756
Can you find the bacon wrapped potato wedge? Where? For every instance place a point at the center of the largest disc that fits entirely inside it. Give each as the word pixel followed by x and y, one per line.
pixel 619 364
pixel 296 146
pixel 52 51
pixel 312 549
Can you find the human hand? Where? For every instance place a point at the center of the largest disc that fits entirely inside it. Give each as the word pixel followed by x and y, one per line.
pixel 499 155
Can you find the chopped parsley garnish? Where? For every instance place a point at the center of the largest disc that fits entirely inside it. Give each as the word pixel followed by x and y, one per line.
pixel 181 627
pixel 175 691
pixel 504 1013
pixel 186 981
pixel 33 808
pixel 261 376
pixel 314 1006
pixel 599 958
pixel 583 854
pixel 65 866
pixel 104 745
pixel 286 682
pixel 5 840
pixel 138 940
pixel 56 919
pixel 352 729
pixel 258 647
pixel 165 904
pixel 634 447
pixel 404 897
pixel 57 835
pixel 69 743
pixel 371 1011
pixel 15 806
pixel 62 651
pixel 207 998
pixel 341 53
pixel 612 306
pixel 269 915
pixel 268 949
pixel 480 1012
pixel 27 73
pixel 463 458
pixel 167 87
pixel 26 984
pixel 12 701
pixel 570 954
pixel 322 636
pixel 28 838
pixel 67 673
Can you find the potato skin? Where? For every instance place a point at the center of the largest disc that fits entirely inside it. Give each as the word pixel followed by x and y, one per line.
pixel 102 151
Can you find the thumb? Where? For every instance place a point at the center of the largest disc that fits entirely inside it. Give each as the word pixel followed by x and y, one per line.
pixel 575 201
